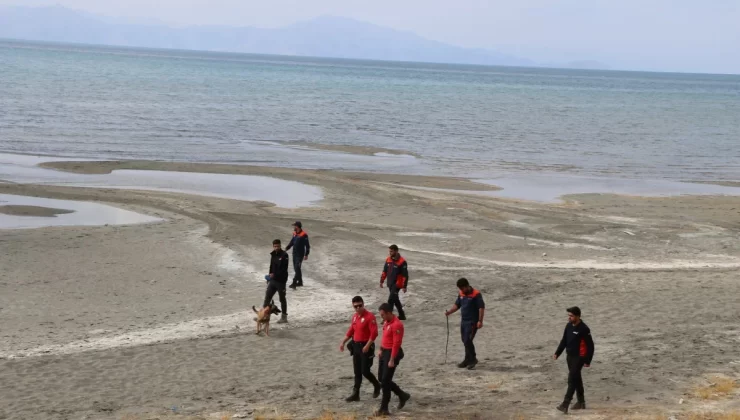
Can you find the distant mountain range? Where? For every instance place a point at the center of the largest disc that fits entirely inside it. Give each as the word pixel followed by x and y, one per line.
pixel 325 36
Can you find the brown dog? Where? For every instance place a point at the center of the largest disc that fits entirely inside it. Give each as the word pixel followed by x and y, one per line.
pixel 263 317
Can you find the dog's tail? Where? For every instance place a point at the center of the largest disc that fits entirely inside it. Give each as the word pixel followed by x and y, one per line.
pixel 255 309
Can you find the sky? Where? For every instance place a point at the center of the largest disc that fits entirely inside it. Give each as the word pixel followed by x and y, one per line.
pixel 660 35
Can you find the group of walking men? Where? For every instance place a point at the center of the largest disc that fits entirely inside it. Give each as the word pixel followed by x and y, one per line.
pixel 577 341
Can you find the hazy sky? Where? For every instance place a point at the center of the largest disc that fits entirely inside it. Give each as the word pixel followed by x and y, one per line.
pixel 680 35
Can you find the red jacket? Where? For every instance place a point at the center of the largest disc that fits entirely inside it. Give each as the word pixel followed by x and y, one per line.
pixel 392 336
pixel 396 271
pixel 363 328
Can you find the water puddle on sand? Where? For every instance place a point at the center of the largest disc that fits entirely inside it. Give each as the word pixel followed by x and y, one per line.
pixel 74 213
pixel 286 194
pixel 550 188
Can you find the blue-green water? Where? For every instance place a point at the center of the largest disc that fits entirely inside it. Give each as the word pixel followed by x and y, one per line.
pixel 461 120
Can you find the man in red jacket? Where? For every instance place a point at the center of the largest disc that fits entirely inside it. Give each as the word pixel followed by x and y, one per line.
pixel 396 272
pixel 362 331
pixel 389 355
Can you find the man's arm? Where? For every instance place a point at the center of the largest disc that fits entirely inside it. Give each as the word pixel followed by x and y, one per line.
pixel 284 262
pixel 373 334
pixel 561 347
pixel 384 274
pixel 481 310
pixel 291 243
pixel 405 274
pixel 454 308
pixel 308 245
pixel 590 347
pixel 373 329
pixel 397 341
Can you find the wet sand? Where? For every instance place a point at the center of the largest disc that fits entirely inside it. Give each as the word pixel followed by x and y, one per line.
pixel 133 320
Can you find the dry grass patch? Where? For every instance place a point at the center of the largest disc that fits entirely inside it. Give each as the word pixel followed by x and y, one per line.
pixel 272 416
pixel 719 387
pixel 329 415
pixel 712 416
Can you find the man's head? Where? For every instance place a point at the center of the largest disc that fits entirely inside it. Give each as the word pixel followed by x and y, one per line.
pixel 463 285
pixel 574 315
pixel 393 251
pixel 276 245
pixel 386 311
pixel 358 304
pixel 297 226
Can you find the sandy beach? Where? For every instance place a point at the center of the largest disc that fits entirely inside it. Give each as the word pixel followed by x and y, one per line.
pixel 153 320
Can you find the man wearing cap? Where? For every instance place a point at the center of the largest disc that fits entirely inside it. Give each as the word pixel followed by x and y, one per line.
pixel 471 305
pixel 579 346
pixel 362 332
pixel 396 272
pixel 301 249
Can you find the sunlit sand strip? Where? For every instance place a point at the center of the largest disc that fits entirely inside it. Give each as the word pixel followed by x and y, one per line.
pixel 727 262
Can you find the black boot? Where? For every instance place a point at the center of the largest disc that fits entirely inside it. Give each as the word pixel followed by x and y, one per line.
pixel 354 397
pixel 472 364
pixel 580 405
pixel 463 364
pixel 293 285
pixel 402 399
pixel 563 407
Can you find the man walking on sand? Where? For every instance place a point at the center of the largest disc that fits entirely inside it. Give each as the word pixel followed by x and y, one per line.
pixel 471 305
pixel 277 279
pixel 363 330
pixel 579 345
pixel 389 355
pixel 396 272
pixel 301 249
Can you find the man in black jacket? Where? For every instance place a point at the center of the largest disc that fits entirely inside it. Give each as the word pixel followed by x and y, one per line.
pixel 278 278
pixel 579 346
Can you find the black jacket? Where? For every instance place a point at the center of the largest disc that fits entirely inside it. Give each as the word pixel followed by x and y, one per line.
pixel 279 266
pixel 577 341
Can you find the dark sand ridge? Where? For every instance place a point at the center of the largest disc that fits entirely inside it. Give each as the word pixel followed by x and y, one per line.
pixel 345 148
pixel 663 322
pixel 33 211
pixel 306 175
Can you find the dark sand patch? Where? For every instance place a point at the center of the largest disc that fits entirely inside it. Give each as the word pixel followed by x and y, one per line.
pixel 347 148
pixel 720 183
pixel 310 176
pixel 33 211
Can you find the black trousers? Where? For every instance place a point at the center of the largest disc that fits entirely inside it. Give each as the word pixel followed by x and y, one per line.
pixel 385 374
pixel 272 288
pixel 298 277
pixel 362 363
pixel 467 333
pixel 395 300
pixel 575 381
